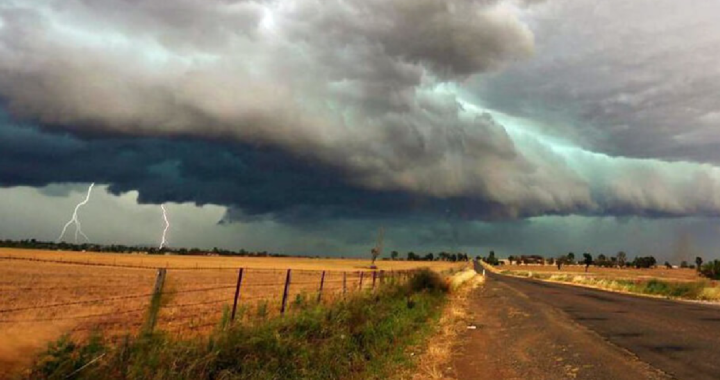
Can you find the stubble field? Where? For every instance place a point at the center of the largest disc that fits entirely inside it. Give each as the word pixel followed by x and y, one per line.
pixel 44 294
pixel 677 274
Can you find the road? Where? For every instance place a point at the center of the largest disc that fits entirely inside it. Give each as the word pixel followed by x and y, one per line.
pixel 534 329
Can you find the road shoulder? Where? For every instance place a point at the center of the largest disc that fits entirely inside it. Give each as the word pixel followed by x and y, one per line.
pixel 517 338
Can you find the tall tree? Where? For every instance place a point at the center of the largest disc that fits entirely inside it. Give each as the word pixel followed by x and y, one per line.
pixel 587 260
pixel 621 259
pixel 698 262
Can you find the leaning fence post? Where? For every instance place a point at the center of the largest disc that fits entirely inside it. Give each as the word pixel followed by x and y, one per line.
pixel 237 294
pixel 374 278
pixel 322 282
pixel 155 300
pixel 344 283
pixel 285 292
pixel 361 278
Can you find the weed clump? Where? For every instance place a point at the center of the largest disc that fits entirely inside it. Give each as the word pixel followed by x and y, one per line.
pixel 427 280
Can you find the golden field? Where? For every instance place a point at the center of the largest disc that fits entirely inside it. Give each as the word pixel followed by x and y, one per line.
pixel 44 294
pixel 610 273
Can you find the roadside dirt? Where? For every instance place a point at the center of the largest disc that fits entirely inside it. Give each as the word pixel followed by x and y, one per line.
pixel 518 338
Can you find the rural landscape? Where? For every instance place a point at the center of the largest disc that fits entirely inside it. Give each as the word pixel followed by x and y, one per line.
pixel 364 189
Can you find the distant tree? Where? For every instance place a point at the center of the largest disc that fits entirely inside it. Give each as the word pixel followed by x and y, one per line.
pixel 491 259
pixel 711 270
pixel 560 261
pixel 621 259
pixel 511 258
pixel 587 260
pixel 571 258
pixel 429 257
pixel 684 264
pixel 411 256
pixel 394 255
pixel 602 261
pixel 644 262
pixel 551 261
pixel 668 265
pixel 698 262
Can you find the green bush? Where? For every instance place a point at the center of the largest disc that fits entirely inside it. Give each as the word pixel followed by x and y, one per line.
pixel 711 270
pixel 427 280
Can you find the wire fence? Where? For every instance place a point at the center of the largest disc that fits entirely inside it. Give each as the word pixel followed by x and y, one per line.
pixel 193 301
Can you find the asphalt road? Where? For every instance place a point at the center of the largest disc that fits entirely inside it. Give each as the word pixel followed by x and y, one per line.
pixel 681 339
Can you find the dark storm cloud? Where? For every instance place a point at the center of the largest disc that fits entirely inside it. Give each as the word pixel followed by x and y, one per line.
pixel 266 183
pixel 324 109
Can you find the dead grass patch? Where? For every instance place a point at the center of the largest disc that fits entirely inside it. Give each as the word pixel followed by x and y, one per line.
pixel 435 361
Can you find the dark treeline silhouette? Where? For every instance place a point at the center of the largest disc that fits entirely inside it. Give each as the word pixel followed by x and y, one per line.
pixel 442 256
pixel 119 248
pixel 586 259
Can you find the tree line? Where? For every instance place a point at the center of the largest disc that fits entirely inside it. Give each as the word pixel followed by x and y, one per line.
pixel 442 256
pixel 710 269
pixel 120 248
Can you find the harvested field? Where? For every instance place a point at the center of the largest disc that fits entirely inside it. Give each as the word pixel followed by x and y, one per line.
pixel 610 273
pixel 44 294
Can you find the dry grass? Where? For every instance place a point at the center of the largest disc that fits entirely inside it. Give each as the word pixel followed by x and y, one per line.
pixel 682 286
pixel 162 261
pixel 40 300
pixel 435 362
pixel 611 273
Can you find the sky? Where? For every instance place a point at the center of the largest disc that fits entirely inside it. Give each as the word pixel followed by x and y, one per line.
pixel 304 126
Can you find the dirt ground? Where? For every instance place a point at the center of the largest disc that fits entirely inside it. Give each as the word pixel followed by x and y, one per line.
pixel 615 273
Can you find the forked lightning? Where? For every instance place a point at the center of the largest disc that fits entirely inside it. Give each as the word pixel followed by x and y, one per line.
pixel 74 219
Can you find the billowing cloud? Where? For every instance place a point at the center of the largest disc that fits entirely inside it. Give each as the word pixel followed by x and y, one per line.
pixel 302 108
pixel 636 79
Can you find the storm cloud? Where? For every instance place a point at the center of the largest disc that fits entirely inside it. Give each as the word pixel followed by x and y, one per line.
pixel 302 109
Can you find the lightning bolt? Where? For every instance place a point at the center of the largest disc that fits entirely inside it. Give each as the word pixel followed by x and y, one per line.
pixel 167 226
pixel 74 219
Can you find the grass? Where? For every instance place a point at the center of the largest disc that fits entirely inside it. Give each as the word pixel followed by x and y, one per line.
pixel 365 337
pixel 660 272
pixel 703 290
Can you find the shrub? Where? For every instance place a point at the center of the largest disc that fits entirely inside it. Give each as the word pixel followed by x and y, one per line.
pixel 427 280
pixel 711 270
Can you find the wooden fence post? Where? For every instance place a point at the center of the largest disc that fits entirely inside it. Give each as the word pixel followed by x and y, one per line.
pixel 361 278
pixel 344 283
pixel 237 294
pixel 285 292
pixel 155 300
pixel 322 282
pixel 374 278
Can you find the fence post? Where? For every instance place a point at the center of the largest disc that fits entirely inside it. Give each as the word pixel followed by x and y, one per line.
pixel 374 278
pixel 382 277
pixel 155 300
pixel 237 295
pixel 322 282
pixel 361 278
pixel 285 292
pixel 344 283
